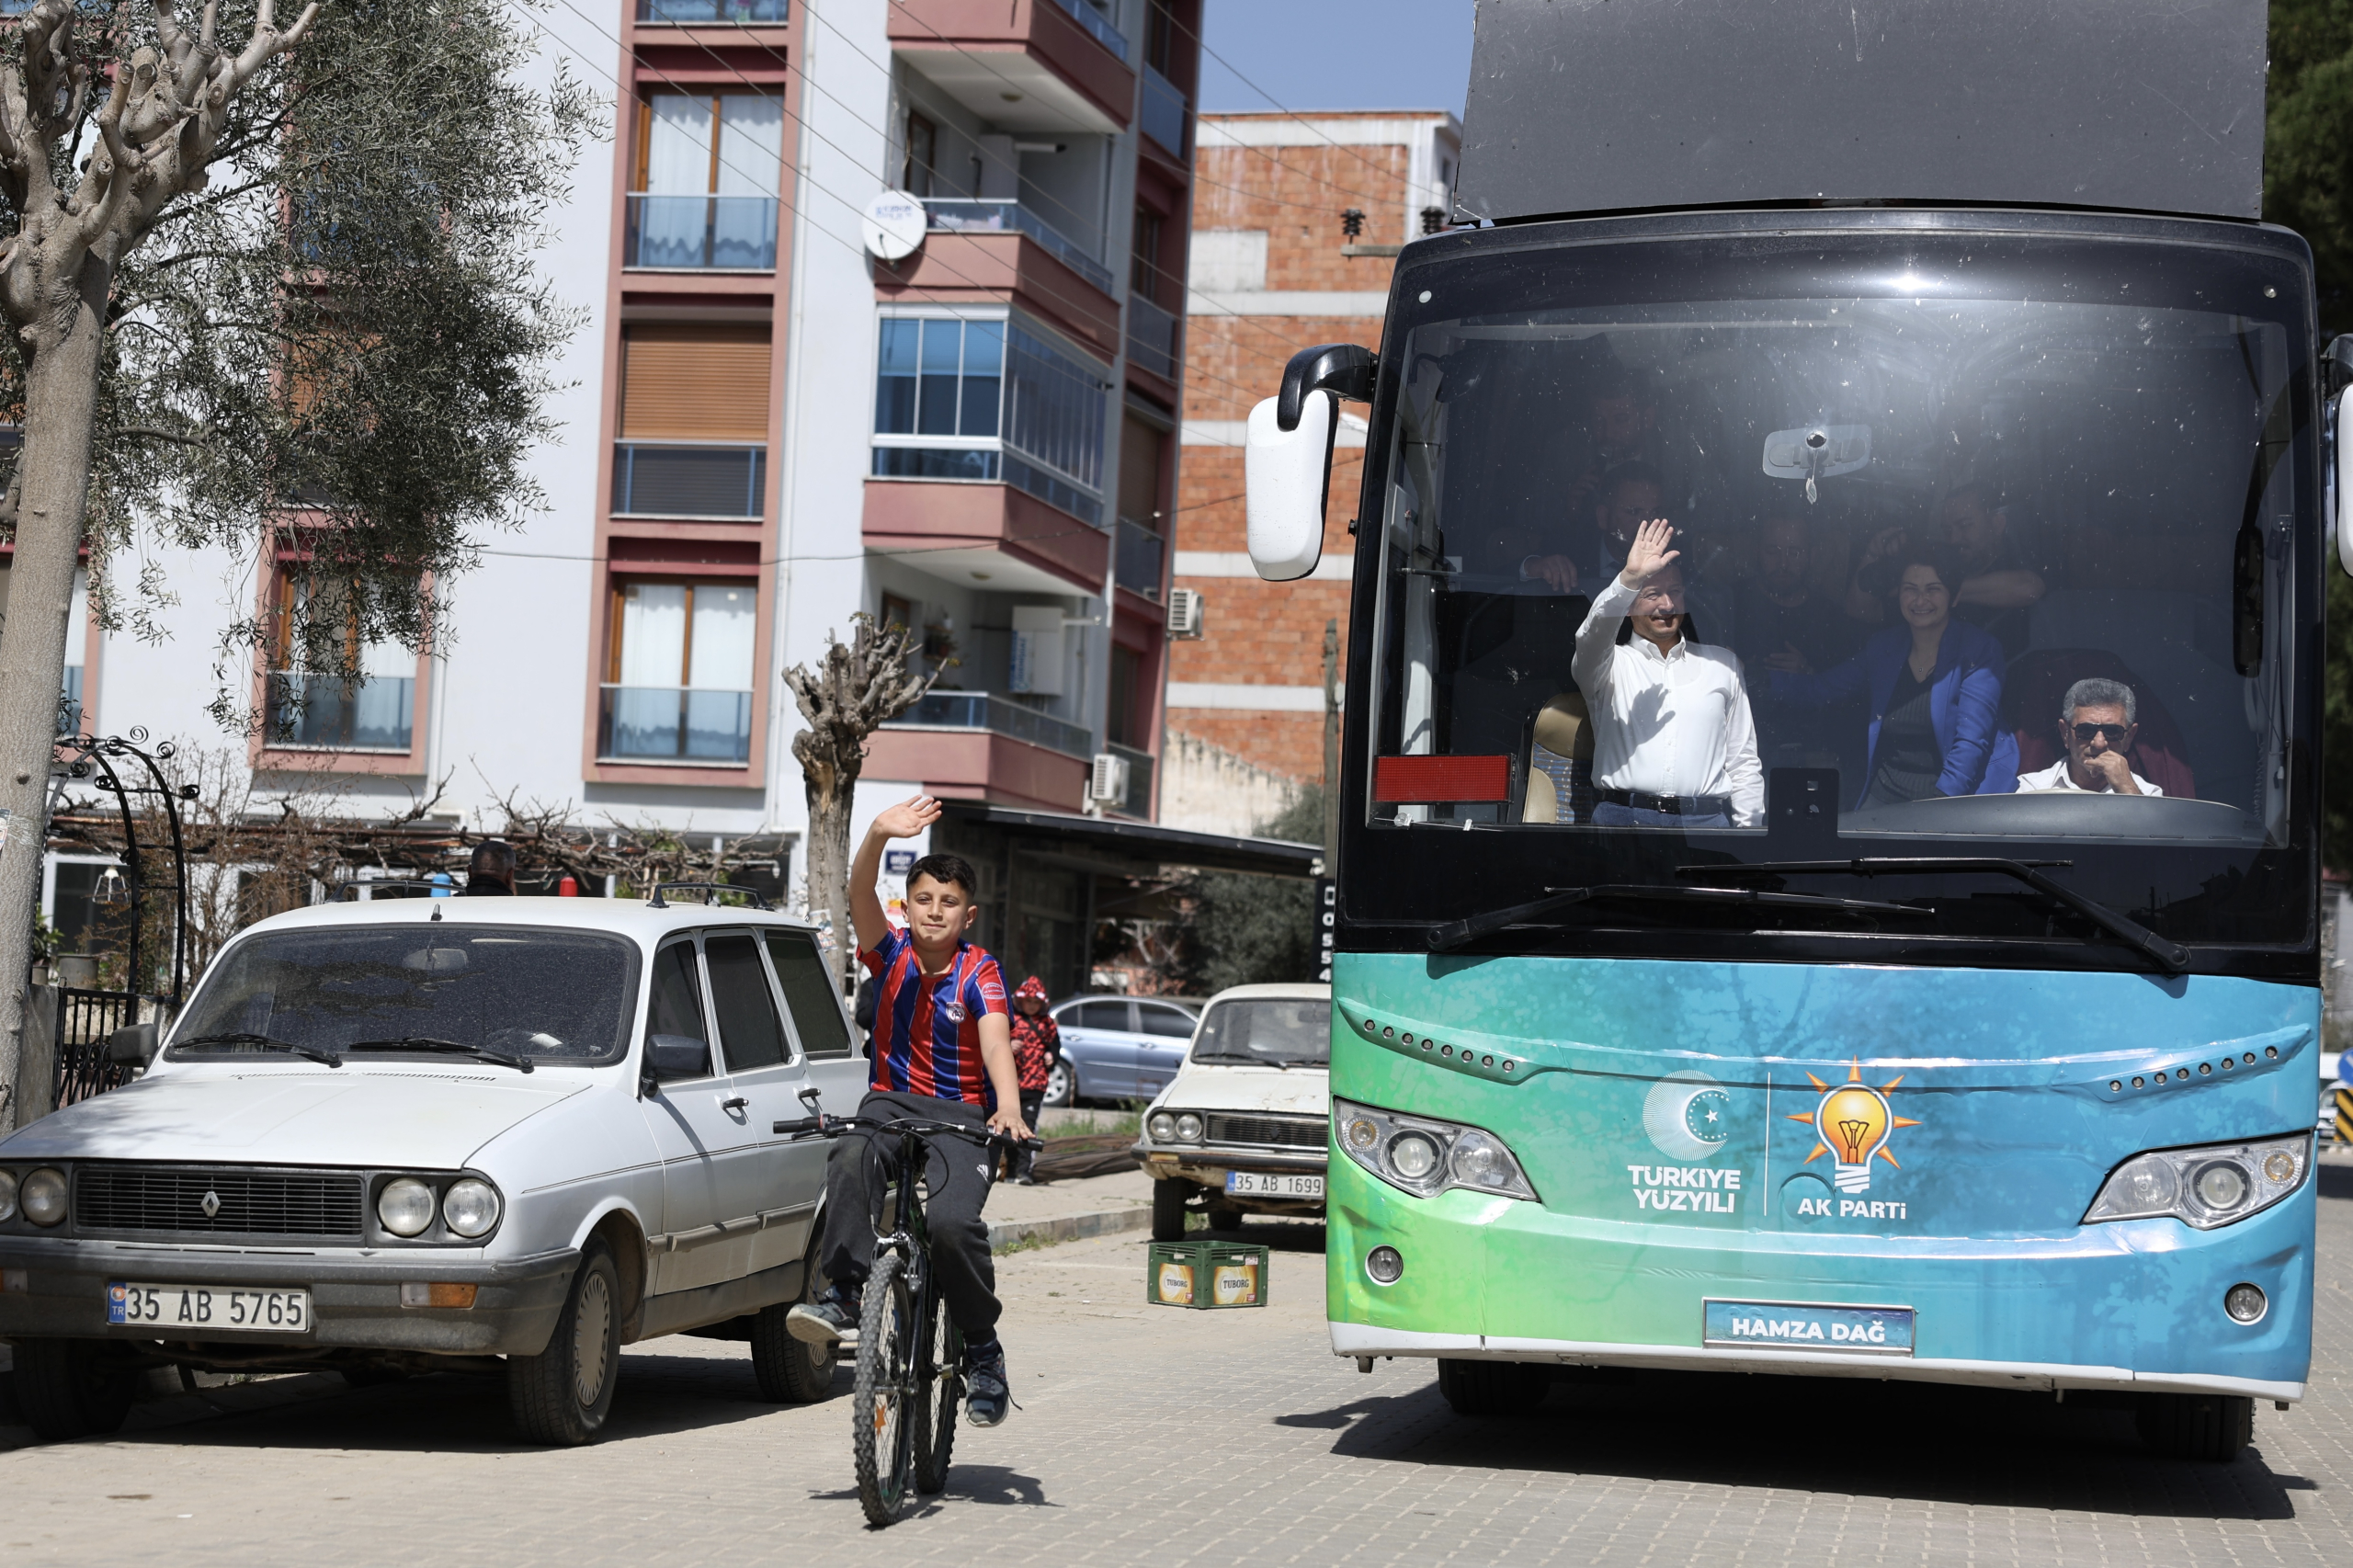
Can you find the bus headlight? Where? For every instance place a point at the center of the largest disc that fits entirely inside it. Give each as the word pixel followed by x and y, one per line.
pixel 2205 1187
pixel 1424 1156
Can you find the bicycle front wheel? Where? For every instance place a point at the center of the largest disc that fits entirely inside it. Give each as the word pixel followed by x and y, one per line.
pixel 886 1401
pixel 942 1371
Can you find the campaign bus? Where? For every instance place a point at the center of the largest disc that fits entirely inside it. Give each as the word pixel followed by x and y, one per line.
pixel 1827 880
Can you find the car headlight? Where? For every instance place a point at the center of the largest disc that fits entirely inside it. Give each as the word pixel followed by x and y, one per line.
pixel 8 1194
pixel 2217 1185
pixel 43 1195
pixel 1163 1126
pixel 1426 1156
pixel 470 1207
pixel 405 1206
pixel 1188 1127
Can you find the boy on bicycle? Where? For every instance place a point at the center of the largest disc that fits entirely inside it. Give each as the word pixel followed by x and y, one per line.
pixel 942 1052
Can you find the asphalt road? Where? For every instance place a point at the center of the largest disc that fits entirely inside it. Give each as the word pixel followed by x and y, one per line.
pixel 1151 1435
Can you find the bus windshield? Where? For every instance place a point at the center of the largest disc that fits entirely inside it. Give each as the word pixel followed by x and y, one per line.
pixel 1971 548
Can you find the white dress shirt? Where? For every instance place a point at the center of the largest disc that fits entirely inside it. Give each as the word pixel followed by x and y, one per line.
pixel 2056 776
pixel 1671 723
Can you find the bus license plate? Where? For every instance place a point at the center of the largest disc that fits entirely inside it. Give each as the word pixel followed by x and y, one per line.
pixel 1259 1184
pixel 1789 1325
pixel 209 1306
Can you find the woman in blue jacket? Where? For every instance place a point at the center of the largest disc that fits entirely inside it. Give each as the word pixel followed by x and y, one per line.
pixel 1934 685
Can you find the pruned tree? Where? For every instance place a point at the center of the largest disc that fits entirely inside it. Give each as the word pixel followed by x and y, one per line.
pixel 858 688
pixel 271 300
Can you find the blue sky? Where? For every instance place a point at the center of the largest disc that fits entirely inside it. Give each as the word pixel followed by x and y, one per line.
pixel 1335 54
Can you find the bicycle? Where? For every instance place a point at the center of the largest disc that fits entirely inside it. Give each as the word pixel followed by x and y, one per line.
pixel 910 1372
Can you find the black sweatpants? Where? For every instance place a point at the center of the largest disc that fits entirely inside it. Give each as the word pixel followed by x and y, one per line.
pixel 1025 1161
pixel 955 1184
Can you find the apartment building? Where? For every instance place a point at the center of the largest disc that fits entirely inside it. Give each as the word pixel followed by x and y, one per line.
pixel 773 422
pixel 1297 221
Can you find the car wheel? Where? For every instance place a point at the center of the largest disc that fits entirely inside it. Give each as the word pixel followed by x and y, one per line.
pixel 790 1371
pixel 563 1395
pixel 1168 1210
pixel 72 1388
pixel 1058 1087
pixel 2213 1427
pixel 1493 1388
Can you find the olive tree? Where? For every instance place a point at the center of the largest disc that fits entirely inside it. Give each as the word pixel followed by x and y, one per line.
pixel 272 295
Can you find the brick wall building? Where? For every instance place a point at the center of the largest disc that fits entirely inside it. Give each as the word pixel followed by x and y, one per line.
pixel 1273 270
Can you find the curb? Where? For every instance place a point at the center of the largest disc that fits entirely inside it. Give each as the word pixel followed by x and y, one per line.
pixel 1004 1233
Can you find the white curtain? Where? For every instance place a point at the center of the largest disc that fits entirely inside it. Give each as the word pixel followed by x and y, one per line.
pixel 724 626
pixel 653 634
pixel 678 153
pixel 751 144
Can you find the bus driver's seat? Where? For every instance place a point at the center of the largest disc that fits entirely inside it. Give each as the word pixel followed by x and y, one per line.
pixel 1560 763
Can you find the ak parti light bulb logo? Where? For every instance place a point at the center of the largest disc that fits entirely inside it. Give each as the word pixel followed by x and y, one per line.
pixel 1853 1122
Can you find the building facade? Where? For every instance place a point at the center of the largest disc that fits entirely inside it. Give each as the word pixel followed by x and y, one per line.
pixel 767 430
pixel 1297 221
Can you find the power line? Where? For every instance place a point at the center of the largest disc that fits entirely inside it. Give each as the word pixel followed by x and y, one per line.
pixel 1270 97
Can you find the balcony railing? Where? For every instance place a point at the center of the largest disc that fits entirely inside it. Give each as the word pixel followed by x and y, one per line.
pixel 981 710
pixel 1095 22
pixel 724 234
pixel 736 11
pixel 1151 336
pixel 335 713
pixel 1137 801
pixel 1164 111
pixel 1137 565
pixel 964 215
pixel 670 724
pixel 661 479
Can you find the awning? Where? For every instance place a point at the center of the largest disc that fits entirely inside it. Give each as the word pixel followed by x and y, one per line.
pixel 1149 841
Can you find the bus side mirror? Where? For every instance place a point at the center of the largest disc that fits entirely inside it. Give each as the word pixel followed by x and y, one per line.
pixel 1287 474
pixel 2343 478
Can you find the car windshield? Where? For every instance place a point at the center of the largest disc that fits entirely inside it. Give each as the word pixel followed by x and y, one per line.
pixel 1952 545
pixel 553 995
pixel 1267 1031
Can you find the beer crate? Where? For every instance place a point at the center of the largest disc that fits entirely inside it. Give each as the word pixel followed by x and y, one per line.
pixel 1206 1274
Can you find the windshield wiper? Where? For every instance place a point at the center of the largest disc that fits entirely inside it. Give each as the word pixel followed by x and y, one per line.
pixel 2166 954
pixel 1453 934
pixel 262 1042
pixel 446 1047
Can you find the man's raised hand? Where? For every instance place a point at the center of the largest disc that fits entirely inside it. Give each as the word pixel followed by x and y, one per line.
pixel 908 818
pixel 1649 554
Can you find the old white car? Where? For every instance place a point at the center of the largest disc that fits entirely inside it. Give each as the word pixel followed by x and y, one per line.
pixel 498 1135
pixel 1243 1126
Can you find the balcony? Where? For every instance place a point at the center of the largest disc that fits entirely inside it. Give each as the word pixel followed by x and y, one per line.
pixel 1137 801
pixel 739 13
pixel 701 233
pixel 1163 113
pixel 961 215
pixel 333 713
pixel 1152 338
pixel 1023 66
pixel 975 534
pixel 662 723
pixel 982 710
pixel 1137 565
pixel 662 479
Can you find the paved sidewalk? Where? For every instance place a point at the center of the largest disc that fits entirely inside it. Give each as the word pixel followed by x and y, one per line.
pixel 1068 1210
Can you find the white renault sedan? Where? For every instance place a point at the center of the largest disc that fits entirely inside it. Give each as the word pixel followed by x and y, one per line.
pixel 1245 1126
pixel 495 1135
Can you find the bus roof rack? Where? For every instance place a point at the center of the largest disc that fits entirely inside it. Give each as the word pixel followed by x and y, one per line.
pixel 655 900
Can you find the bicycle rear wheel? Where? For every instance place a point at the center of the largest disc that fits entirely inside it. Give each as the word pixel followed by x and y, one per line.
pixel 884 1414
pixel 942 1371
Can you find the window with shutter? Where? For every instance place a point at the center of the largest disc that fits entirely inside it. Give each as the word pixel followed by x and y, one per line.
pixel 694 421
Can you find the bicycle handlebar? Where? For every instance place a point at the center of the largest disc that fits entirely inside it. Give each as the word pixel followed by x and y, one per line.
pixel 823 1126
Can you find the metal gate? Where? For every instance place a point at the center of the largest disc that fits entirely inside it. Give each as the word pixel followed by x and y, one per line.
pixel 84 1019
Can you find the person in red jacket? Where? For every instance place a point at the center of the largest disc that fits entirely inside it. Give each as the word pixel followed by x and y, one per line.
pixel 1037 1046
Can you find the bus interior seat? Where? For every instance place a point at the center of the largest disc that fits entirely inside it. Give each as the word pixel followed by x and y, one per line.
pixel 2036 686
pixel 1560 762
pixel 2177 645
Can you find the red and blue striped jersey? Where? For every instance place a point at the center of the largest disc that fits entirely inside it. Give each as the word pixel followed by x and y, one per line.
pixel 927 1029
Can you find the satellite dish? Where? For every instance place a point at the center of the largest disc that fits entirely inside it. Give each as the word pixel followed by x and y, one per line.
pixel 894 224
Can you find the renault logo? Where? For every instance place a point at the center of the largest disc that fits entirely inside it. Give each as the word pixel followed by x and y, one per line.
pixel 212 1205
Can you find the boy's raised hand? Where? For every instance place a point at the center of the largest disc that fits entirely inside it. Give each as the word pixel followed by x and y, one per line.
pixel 908 818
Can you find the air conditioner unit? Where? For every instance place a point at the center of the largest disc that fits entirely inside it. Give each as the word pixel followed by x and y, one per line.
pixel 1107 780
pixel 1185 612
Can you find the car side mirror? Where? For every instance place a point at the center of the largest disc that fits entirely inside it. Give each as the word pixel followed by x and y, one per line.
pixel 134 1045
pixel 671 1056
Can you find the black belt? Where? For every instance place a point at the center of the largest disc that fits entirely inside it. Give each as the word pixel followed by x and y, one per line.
pixel 1669 805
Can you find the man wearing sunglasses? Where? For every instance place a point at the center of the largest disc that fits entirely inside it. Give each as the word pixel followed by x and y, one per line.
pixel 2095 725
